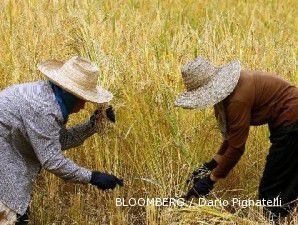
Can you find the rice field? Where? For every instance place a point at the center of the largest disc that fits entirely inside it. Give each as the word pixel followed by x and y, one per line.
pixel 140 46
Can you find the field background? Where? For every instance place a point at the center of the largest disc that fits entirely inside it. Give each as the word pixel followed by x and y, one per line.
pixel 140 47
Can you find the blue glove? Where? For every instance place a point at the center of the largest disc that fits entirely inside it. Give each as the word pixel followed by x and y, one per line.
pixel 201 187
pixel 105 181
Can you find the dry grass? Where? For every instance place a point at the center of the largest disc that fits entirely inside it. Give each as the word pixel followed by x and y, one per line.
pixel 140 46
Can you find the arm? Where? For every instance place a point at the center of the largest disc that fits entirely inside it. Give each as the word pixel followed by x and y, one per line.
pixel 43 131
pixel 76 135
pixel 224 146
pixel 238 121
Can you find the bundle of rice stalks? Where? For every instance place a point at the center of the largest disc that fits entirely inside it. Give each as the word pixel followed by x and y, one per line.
pixel 202 215
pixel 214 216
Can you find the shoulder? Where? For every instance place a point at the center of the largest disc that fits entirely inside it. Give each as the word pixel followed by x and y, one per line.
pixel 270 78
pixel 244 90
pixel 38 99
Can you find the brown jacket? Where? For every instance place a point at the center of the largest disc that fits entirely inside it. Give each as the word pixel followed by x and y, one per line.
pixel 259 98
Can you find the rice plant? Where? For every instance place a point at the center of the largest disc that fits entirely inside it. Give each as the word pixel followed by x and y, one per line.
pixel 140 46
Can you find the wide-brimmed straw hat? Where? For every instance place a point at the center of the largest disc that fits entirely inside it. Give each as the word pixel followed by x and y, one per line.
pixel 78 76
pixel 207 84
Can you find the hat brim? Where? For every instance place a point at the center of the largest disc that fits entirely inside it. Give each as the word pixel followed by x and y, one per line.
pixel 50 68
pixel 220 86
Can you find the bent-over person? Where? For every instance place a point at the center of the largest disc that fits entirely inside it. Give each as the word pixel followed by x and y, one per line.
pixel 242 99
pixel 33 132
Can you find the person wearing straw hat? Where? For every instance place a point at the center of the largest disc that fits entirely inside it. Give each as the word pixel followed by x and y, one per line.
pixel 242 99
pixel 33 131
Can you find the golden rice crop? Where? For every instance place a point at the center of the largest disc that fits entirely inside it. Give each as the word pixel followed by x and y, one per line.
pixel 140 46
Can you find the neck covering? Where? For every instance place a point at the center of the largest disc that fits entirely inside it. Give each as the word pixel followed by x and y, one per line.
pixel 66 100
pixel 221 119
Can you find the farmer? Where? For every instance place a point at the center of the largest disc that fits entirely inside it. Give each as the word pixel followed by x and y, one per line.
pixel 242 99
pixel 33 132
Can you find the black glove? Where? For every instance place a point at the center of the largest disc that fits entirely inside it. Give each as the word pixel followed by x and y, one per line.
pixel 201 187
pixel 202 171
pixel 109 112
pixel 105 181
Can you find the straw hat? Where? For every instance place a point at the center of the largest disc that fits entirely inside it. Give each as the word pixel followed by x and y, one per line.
pixel 207 84
pixel 78 76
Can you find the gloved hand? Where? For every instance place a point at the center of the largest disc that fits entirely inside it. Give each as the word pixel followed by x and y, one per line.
pixel 105 181
pixel 109 113
pixel 201 187
pixel 202 171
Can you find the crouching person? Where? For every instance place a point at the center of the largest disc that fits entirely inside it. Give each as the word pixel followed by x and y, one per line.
pixel 33 132
pixel 242 99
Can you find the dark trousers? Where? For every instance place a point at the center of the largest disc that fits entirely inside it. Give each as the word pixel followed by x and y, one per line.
pixel 24 219
pixel 280 177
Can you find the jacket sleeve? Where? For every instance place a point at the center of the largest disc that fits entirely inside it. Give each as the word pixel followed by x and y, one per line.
pixel 224 146
pixel 44 132
pixel 76 135
pixel 238 122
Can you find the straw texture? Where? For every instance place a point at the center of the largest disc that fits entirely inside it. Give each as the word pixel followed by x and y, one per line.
pixel 206 84
pixel 78 76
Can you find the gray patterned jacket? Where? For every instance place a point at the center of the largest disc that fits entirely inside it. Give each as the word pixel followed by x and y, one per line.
pixel 32 136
